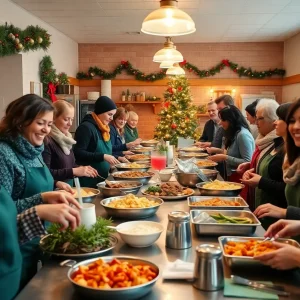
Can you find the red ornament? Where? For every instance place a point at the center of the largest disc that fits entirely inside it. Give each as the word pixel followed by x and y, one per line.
pixel 187 119
pixel 16 35
pixel 225 62
pixel 179 89
pixel 190 70
pixel 167 104
pixel 234 70
pixel 170 90
pixel 173 126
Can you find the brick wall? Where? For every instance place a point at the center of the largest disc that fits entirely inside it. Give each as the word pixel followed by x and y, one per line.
pixel 259 56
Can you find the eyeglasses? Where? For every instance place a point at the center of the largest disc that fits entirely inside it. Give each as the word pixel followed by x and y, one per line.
pixel 259 119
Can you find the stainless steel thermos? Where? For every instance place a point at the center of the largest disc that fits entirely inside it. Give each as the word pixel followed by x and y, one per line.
pixel 179 230
pixel 208 270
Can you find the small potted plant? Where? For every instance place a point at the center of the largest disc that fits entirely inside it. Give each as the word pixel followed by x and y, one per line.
pixel 63 86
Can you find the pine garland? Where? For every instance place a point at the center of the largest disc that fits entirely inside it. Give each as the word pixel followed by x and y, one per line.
pixel 48 75
pixel 139 75
pixel 14 40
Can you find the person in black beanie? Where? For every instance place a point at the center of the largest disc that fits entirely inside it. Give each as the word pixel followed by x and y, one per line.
pixel 250 115
pixel 93 145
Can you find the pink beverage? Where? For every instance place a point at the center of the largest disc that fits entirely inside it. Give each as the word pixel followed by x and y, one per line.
pixel 158 162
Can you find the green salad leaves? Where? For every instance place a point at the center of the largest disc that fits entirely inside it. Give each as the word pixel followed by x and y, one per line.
pixel 81 240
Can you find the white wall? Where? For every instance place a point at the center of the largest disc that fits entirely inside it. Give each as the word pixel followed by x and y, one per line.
pixel 11 80
pixel 292 66
pixel 63 50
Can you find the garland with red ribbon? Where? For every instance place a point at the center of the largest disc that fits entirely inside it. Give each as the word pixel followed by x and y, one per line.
pixel 141 76
pixel 51 91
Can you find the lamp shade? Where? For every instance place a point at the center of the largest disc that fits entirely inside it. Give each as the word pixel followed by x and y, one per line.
pixel 168 20
pixel 168 53
pixel 175 70
pixel 166 64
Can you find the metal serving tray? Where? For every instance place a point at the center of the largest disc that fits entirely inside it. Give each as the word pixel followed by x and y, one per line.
pixel 242 261
pixel 202 198
pixel 225 228
pixel 131 213
pixel 212 192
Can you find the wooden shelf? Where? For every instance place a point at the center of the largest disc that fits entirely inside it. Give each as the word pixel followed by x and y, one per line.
pixel 155 104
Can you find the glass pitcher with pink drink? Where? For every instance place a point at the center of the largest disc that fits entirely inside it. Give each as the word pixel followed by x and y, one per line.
pixel 158 161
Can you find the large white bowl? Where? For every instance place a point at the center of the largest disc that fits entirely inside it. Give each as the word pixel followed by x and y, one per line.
pixel 139 240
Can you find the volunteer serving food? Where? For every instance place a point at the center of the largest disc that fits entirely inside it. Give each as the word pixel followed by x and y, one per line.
pixel 93 145
pixel 24 175
pixel 58 154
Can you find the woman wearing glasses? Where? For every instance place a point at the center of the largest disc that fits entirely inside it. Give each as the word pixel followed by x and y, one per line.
pixel 119 147
pixel 267 178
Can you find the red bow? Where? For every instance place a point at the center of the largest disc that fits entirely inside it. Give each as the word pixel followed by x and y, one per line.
pixel 51 91
pixel 225 62
pixel 182 63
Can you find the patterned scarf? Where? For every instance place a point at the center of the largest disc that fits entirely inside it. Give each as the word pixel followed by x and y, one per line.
pixel 23 146
pixel 291 174
pixel 64 141
pixel 103 128
pixel 263 144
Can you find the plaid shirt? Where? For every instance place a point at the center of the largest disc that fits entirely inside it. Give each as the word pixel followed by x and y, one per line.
pixel 29 225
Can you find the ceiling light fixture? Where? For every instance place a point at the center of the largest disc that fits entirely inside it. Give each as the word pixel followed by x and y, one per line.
pixel 168 53
pixel 175 70
pixel 168 20
pixel 166 64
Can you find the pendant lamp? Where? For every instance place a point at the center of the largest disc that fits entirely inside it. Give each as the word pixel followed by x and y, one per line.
pixel 175 70
pixel 168 53
pixel 168 20
pixel 166 64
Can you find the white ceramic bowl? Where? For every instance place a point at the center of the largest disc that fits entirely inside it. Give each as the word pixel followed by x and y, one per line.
pixel 165 175
pixel 139 240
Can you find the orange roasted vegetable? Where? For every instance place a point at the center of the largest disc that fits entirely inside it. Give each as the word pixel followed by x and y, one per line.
pixel 115 274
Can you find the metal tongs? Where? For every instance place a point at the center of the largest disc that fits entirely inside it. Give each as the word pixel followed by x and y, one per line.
pixel 264 287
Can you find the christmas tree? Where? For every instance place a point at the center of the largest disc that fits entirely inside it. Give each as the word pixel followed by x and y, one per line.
pixel 178 116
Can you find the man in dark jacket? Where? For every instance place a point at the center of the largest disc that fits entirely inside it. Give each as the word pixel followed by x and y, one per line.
pixel 211 126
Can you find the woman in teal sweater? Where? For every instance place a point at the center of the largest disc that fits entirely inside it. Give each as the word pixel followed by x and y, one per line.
pixel 291 170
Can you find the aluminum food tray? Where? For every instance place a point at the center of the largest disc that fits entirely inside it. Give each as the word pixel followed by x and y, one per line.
pixel 244 261
pixel 225 228
pixel 203 198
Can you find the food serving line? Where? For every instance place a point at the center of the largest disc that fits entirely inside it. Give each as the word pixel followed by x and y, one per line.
pixel 51 282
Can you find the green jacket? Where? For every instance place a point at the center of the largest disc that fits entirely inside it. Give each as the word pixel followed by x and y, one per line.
pixel 130 134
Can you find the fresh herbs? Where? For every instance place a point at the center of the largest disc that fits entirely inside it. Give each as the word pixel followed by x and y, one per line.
pixel 153 189
pixel 162 148
pixel 81 240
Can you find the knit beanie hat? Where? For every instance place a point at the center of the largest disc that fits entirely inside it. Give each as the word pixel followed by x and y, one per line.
pixel 104 104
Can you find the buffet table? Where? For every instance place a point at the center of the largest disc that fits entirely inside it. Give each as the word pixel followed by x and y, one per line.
pixel 51 281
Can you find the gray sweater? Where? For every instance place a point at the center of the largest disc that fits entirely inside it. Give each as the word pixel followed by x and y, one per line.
pixel 240 150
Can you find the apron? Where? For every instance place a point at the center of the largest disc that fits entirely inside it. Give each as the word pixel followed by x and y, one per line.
pixel 37 180
pixel 262 196
pixel 10 255
pixel 102 167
